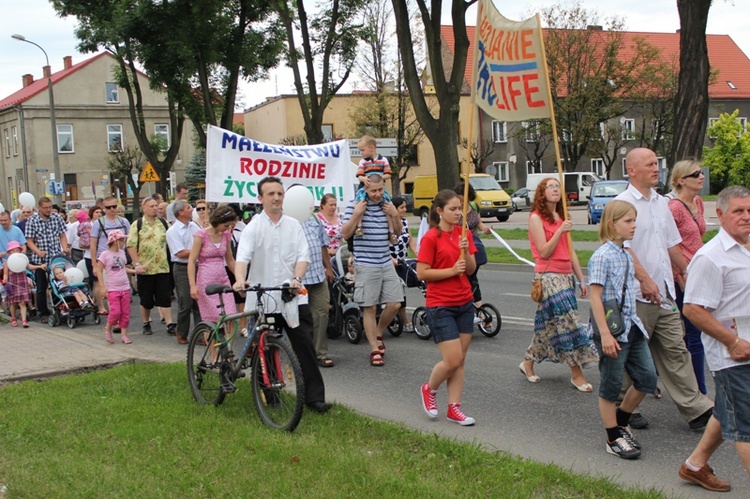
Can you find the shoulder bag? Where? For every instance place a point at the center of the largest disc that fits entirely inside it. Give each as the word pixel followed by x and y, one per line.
pixel 613 312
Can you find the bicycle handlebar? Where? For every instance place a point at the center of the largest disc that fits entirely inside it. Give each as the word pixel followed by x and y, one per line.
pixel 213 289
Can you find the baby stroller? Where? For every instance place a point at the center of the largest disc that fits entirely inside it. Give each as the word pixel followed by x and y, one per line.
pixel 63 305
pixel 345 316
pixel 487 316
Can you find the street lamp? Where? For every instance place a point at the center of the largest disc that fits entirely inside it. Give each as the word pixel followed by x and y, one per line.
pixel 55 160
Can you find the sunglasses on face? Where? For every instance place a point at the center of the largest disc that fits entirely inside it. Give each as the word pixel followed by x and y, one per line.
pixel 695 174
pixel 201 208
pixel 111 207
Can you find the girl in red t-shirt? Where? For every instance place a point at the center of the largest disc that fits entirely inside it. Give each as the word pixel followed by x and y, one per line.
pixel 450 311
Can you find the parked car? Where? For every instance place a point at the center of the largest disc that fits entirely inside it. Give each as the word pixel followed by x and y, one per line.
pixel 520 199
pixel 603 192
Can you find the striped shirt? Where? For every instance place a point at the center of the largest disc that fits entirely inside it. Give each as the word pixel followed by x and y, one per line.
pixel 719 280
pixel 379 165
pixel 373 248
pixel 607 268
pixel 316 239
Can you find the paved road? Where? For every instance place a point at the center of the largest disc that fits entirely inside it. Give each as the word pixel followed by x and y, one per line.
pixel 548 422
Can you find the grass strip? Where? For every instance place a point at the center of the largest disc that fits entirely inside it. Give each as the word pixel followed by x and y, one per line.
pixel 135 431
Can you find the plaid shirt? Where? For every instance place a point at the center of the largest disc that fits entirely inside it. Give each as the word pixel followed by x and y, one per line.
pixel 46 236
pixel 316 239
pixel 607 268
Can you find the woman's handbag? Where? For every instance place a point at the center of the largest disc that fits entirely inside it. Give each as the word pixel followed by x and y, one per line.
pixel 613 312
pixel 481 255
pixel 536 290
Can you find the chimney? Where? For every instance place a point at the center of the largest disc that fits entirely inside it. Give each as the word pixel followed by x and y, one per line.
pixel 28 79
pixel 46 71
pixel 67 62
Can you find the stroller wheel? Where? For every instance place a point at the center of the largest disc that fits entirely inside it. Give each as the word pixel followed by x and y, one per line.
pixel 53 320
pixel 71 322
pixel 97 318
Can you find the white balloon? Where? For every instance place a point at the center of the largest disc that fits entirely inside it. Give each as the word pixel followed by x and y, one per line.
pixel 2 208
pixel 17 262
pixel 27 199
pixel 298 203
pixel 74 275
pixel 82 267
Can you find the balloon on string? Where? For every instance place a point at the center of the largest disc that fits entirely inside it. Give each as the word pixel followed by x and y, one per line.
pixel 17 262
pixel 73 275
pixel 27 200
pixel 298 203
pixel 82 267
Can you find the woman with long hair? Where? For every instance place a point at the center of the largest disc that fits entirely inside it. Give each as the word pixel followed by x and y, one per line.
pixel 687 210
pixel 559 335
pixel 445 260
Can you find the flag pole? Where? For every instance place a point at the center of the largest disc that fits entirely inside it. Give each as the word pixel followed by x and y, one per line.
pixel 556 142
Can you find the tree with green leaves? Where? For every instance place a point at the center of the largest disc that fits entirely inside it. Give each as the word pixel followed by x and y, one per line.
pixel 329 38
pixel 122 164
pixel 591 76
pixel 440 123
pixel 195 175
pixel 728 159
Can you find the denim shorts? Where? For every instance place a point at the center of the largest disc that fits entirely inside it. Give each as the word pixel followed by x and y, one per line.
pixel 732 402
pixel 635 358
pixel 446 323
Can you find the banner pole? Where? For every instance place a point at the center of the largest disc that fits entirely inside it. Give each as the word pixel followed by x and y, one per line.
pixel 555 140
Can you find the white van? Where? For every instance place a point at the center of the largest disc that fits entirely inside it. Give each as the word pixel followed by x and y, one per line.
pixel 577 185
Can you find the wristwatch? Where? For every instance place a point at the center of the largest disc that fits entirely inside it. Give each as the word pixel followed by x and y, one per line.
pixel 298 279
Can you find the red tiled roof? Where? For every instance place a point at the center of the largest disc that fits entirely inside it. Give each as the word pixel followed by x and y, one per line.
pixel 725 57
pixel 40 85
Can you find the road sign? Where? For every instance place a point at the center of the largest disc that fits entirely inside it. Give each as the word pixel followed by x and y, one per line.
pixel 55 188
pixel 386 147
pixel 42 170
pixel 149 174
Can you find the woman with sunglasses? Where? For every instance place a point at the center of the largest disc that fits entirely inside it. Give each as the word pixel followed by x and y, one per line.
pixel 202 211
pixel 687 210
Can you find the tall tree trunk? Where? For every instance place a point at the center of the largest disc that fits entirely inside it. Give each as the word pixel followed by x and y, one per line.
pixel 691 102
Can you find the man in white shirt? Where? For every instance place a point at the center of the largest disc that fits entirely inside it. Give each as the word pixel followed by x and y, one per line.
pixel 181 193
pixel 716 301
pixel 180 241
pixel 655 248
pixel 275 247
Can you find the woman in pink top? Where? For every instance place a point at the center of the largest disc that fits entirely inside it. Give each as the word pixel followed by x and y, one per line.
pixel 559 335
pixel 687 210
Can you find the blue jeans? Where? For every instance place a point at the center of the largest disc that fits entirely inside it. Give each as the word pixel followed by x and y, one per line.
pixel 635 358
pixel 693 344
pixel 732 407
pixel 446 323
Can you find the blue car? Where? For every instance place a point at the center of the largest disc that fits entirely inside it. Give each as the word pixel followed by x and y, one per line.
pixel 601 194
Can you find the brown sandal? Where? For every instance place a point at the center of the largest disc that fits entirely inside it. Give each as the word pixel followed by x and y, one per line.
pixel 376 362
pixel 381 347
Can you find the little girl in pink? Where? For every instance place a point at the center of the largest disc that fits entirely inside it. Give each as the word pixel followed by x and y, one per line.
pixel 116 286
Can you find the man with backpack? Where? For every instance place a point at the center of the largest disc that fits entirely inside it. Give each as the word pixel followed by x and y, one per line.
pixel 100 230
pixel 147 247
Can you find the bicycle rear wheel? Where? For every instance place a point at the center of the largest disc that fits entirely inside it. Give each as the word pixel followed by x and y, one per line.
pixel 205 364
pixel 278 386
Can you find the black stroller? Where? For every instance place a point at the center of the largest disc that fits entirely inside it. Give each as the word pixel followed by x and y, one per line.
pixel 345 317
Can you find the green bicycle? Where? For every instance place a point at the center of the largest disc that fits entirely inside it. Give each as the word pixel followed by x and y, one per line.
pixel 214 366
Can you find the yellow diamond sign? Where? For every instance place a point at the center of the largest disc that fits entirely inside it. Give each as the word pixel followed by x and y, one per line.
pixel 149 174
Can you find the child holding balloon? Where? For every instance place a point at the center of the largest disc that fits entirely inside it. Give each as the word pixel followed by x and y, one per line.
pixel 17 286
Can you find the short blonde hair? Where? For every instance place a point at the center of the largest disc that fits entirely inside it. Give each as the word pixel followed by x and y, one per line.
pixel 613 211
pixel 682 168
pixel 367 140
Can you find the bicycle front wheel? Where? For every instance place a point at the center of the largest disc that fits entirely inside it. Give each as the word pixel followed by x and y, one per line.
pixel 278 386
pixel 206 365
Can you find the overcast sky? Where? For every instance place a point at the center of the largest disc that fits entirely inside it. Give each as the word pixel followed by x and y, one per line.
pixel 36 20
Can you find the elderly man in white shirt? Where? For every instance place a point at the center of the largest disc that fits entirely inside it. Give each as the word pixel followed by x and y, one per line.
pixel 655 248
pixel 275 247
pixel 180 241
pixel 716 301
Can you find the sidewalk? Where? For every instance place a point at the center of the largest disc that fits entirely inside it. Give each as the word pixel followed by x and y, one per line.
pixel 42 351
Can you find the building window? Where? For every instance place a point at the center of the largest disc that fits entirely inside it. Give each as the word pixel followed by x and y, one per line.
pixel 532 130
pixel 499 129
pixel 712 122
pixel 533 167
pixel 661 162
pixel 743 124
pixel 603 130
pixel 625 168
pixel 162 131
pixel 65 138
pixel 14 132
pixel 112 92
pixel 502 172
pixel 114 138
pixel 658 129
pixel 327 132
pixel 628 129
pixel 597 167
pixel 7 143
